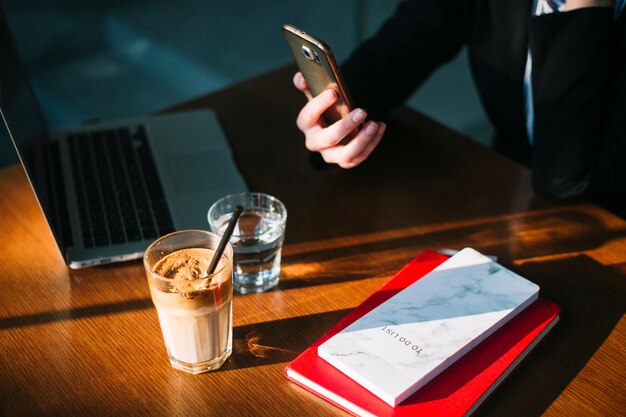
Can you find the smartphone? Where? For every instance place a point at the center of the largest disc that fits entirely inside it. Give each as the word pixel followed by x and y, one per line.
pixel 317 64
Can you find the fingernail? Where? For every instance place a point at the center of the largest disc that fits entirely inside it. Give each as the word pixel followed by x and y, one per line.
pixel 358 116
pixel 370 129
pixel 330 95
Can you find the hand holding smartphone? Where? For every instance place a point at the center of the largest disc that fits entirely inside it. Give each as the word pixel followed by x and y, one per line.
pixel 319 68
pixel 330 125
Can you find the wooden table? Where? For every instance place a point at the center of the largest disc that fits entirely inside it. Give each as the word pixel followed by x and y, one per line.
pixel 87 342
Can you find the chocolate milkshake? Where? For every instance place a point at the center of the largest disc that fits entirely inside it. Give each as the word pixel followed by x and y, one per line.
pixel 194 309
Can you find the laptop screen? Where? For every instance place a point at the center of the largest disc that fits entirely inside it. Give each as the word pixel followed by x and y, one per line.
pixel 25 123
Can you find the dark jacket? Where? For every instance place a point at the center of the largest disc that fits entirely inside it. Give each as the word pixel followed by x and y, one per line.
pixel 578 78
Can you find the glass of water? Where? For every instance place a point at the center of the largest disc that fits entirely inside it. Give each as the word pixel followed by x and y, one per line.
pixel 257 239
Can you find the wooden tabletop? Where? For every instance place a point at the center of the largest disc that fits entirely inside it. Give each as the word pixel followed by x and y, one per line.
pixel 87 342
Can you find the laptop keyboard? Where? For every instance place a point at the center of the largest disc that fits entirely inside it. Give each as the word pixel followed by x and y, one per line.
pixel 120 197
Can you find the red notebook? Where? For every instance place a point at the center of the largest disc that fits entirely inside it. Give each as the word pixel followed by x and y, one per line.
pixel 459 390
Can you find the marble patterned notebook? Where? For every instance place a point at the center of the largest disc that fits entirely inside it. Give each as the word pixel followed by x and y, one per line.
pixel 399 346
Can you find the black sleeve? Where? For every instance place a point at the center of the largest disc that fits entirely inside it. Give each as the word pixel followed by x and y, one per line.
pixel 384 71
pixel 579 95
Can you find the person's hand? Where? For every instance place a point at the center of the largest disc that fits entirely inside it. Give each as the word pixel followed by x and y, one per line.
pixel 325 139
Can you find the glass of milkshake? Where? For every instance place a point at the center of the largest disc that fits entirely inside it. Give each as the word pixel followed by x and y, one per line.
pixel 194 308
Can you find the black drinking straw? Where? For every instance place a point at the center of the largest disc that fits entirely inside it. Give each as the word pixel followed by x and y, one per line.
pixel 222 245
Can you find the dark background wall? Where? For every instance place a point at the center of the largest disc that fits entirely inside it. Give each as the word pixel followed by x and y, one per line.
pixel 112 58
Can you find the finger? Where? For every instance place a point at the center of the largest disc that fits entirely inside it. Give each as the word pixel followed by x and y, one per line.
pixel 368 148
pixel 354 155
pixel 334 133
pixel 345 156
pixel 311 114
pixel 300 83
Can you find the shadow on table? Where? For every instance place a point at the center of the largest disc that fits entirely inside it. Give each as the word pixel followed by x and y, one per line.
pixel 592 297
pixel 532 235
pixel 278 341
pixel 75 313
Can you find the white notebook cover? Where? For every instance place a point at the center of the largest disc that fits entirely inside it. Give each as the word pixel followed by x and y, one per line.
pixel 402 344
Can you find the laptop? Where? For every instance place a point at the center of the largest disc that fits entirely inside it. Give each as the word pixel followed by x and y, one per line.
pixel 108 190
